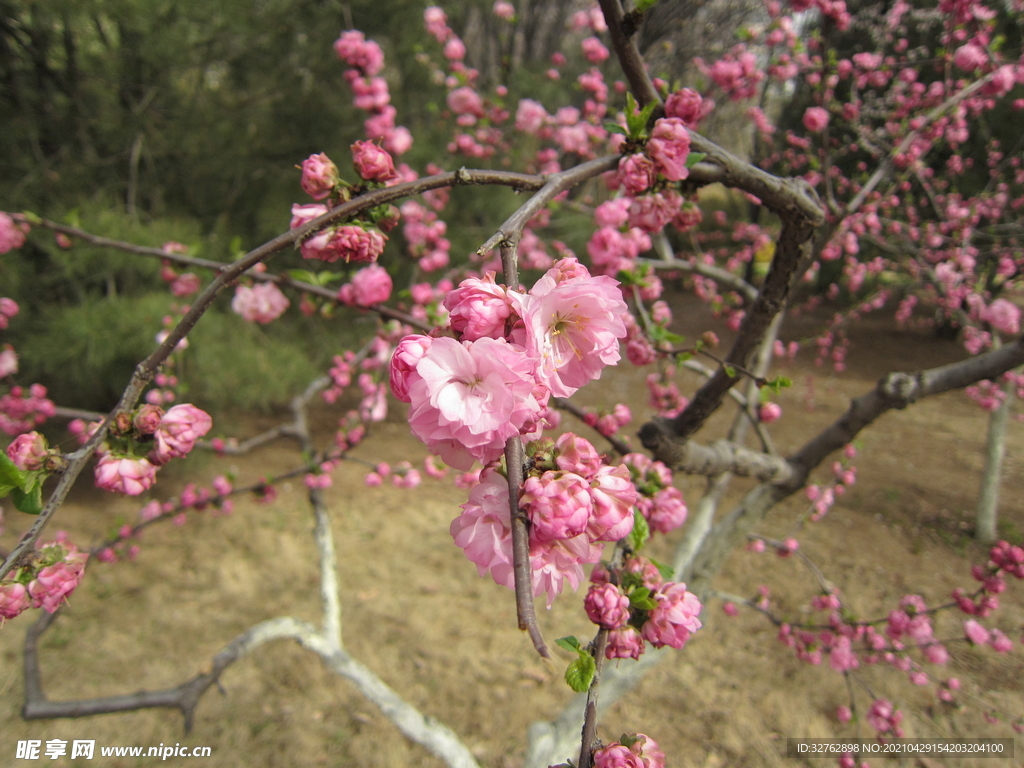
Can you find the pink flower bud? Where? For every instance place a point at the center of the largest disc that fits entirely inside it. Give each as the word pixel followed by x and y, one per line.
pixel 606 606
pixel 319 176
pixel 11 235
pixel 816 119
pixel 624 643
pixel 124 474
pixel 178 431
pixel 28 451
pixel 373 163
pixel 147 419
pixel 369 286
pixel 14 598
pixel 674 618
pixel 479 308
pixel 770 412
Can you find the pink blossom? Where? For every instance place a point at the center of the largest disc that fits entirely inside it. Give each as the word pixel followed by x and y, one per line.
pixel 8 361
pixel 576 454
pixel 262 303
pixel 688 106
pixel 436 22
pixel 11 235
pixel 356 51
pixel 815 119
pixel 530 116
pixel 319 176
pixel 504 10
pixel 976 633
pixel 28 451
pixel 558 504
pixel 571 328
pixel 614 495
pixel 179 429
pixel 147 419
pixel 370 285
pixel 624 643
pixel 186 284
pixel 636 173
pixel 560 561
pixel 606 606
pixel 348 243
pixel 769 412
pixel 407 356
pixel 652 212
pixel 594 50
pixel 372 163
pixel 613 213
pixel 616 755
pixel 674 618
pixel 668 147
pixel 843 714
pixel 483 530
pixel 669 510
pixel 1000 642
pixel 468 399
pixel 479 308
pixel 53 583
pixel 14 599
pixel 970 57
pixel 303 214
pixel 124 474
pixel 465 101
pixel 1002 315
pixel 842 658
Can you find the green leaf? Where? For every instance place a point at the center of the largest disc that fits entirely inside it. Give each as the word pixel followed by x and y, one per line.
pixel 614 128
pixel 730 372
pixel 323 278
pixel 10 476
pixel 569 643
pixel 665 570
pixel 640 598
pixel 779 383
pixel 643 5
pixel 694 157
pixel 30 502
pixel 580 673
pixel 641 531
pixel 303 276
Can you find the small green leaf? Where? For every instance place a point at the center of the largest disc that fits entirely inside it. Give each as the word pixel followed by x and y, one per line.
pixel 614 128
pixel 684 356
pixel 730 372
pixel 580 673
pixel 30 502
pixel 569 643
pixel 323 278
pixel 640 598
pixel 303 276
pixel 10 476
pixel 694 157
pixel 665 570
pixel 779 383
pixel 641 531
pixel 643 5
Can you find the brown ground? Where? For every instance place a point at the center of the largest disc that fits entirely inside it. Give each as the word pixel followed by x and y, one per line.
pixel 418 615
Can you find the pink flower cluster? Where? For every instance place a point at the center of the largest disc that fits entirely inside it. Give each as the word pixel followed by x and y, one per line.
pixel 643 608
pixel 57 569
pixel 262 303
pixel 173 436
pixel 573 501
pixel 8 309
pixel 21 409
pixel 636 751
pixel 11 235
pixel 369 286
pixel 469 397
pixel 366 60
pixel 660 503
pixel 348 242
